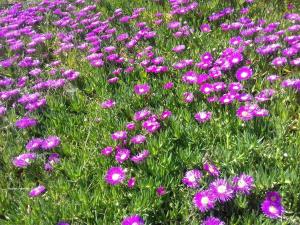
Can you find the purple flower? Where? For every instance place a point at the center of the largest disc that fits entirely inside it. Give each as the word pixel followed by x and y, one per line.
pixel 119 135
pixel 50 142
pixel 243 73
pixel 272 210
pixel 244 113
pixel 24 160
pixel 202 117
pixel 37 191
pixel 204 200
pixel 133 220
pixel 165 114
pixel 274 197
pixel 34 144
pixel 130 126
pixel 160 191
pixel 114 175
pixel 243 183
pixel 273 78
pixel 62 223
pixel 107 150
pixel 138 139
pixel 206 88
pixel 108 104
pixel 140 157
pixel 131 182
pixel 151 125
pixel 211 169
pixel 168 85
pixel 222 190
pixel 142 114
pixel 212 221
pixel 191 178
pixel 2 111
pixel 141 89
pixel 205 28
pixel 279 61
pixel 26 122
pixel 188 97
pixel 179 48
pixel 122 155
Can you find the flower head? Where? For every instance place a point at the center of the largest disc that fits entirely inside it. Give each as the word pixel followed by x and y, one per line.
pixel 271 209
pixel 212 221
pixel 133 220
pixel 50 142
pixel 243 183
pixel 141 89
pixel 211 169
pixel 222 190
pixel 37 191
pixel 244 73
pixel 191 178
pixel 202 117
pixel 204 200
pixel 114 175
pixel 26 122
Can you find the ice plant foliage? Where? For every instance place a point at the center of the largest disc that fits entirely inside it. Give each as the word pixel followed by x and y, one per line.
pixel 155 91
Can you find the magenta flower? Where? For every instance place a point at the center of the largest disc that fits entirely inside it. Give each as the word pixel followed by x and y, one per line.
pixel 133 220
pixel 221 190
pixel 204 200
pixel 165 114
pixel 108 104
pixel 211 169
pixel 34 144
pixel 119 135
pixel 50 142
pixel 122 155
pixel 140 157
pixel 151 125
pixel 206 88
pixel 191 178
pixel 205 28
pixel 244 113
pixel 168 85
pixel 140 115
pixel 138 139
pixel 272 210
pixel 188 97
pixel 26 122
pixel 37 191
pixel 130 126
pixel 212 221
pixel 24 160
pixel 178 48
pixel 244 73
pixel 243 183
pixel 107 150
pixel 114 175
pixel 141 89
pixel 273 196
pixel 160 191
pixel 131 182
pixel 202 117
pixel 279 61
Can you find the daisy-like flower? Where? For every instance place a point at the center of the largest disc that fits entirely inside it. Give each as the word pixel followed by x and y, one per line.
pixel 151 125
pixel 244 73
pixel 273 196
pixel 107 150
pixel 279 61
pixel 133 220
pixel 24 160
pixel 138 139
pixel 26 122
pixel 37 191
pixel 273 78
pixel 205 28
pixel 206 88
pixel 131 182
pixel 160 191
pixel 211 169
pixel 165 114
pixel 122 155
pixel 245 113
pixel 140 157
pixel 114 175
pixel 34 144
pixel 188 97
pixel 204 200
pixel 168 85
pixel 142 114
pixel 119 135
pixel 272 210
pixel 243 183
pixel 108 104
pixel 130 126
pixel 202 117
pixel 212 221
pixel 50 142
pixel 191 178
pixel 178 48
pixel 142 89
pixel 222 190
pixel 2 110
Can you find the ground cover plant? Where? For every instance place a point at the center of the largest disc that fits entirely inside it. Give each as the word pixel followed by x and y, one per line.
pixel 150 112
